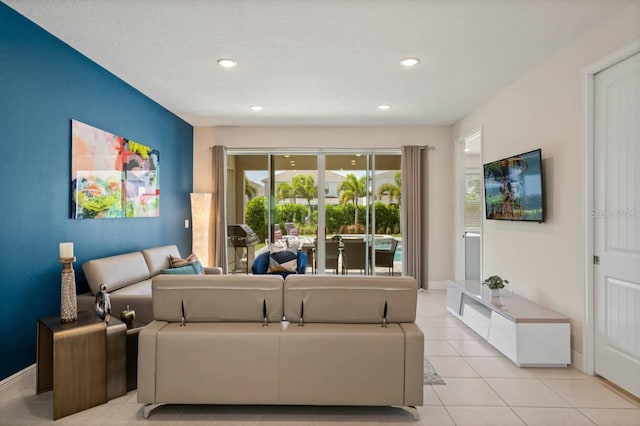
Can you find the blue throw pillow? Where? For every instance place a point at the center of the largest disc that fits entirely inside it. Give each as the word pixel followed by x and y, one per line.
pixel 190 269
pixel 198 266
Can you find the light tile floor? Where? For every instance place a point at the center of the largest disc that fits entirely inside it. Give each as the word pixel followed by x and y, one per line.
pixel 483 388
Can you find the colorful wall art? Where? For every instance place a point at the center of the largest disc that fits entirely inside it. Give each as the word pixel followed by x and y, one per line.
pixel 112 177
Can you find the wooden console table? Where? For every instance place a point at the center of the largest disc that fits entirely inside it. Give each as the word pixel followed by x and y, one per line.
pixel 83 362
pixel 525 332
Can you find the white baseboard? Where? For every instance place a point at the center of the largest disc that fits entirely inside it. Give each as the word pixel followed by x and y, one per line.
pixel 577 361
pixel 437 285
pixel 13 385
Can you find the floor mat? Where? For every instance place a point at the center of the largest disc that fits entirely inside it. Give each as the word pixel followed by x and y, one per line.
pixel 431 376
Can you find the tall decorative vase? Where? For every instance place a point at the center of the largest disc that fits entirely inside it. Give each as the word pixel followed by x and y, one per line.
pixel 68 298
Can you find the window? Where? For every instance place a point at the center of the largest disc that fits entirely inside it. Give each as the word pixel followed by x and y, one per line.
pixel 472 201
pixel 276 192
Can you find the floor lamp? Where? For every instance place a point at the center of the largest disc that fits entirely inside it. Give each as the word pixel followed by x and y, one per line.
pixel 201 225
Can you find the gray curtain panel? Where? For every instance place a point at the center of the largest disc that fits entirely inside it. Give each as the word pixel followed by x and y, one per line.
pixel 415 219
pixel 219 208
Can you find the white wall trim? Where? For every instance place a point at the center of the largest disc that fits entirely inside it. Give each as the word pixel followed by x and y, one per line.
pixel 14 384
pixel 437 285
pixel 588 81
pixel 577 361
pixel 458 228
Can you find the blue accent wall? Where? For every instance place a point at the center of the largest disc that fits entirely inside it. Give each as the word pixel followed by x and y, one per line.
pixel 44 84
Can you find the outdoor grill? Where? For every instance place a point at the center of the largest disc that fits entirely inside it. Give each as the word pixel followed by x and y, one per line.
pixel 241 235
pixel 242 239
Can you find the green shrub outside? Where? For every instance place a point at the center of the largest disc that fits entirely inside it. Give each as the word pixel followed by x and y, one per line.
pixel 290 212
pixel 256 216
pixel 339 219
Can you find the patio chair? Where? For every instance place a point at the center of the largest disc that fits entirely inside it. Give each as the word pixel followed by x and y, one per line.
pixel 331 254
pixel 277 233
pixel 354 255
pixel 291 229
pixel 385 257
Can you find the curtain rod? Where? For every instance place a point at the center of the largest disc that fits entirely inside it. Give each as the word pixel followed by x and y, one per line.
pixel 427 147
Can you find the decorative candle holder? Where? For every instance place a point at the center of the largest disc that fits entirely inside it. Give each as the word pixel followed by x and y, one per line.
pixel 68 298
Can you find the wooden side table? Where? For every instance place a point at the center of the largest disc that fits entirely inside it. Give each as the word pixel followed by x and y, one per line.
pixel 83 362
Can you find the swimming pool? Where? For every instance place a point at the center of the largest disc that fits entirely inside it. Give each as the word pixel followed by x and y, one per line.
pixel 398 255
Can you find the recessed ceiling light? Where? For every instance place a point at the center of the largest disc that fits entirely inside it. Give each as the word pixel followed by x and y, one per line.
pixel 384 107
pixel 409 62
pixel 227 63
pixel 287 156
pixel 256 107
pixel 467 150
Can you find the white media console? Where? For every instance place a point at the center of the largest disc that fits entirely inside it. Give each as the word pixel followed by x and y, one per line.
pixel 525 332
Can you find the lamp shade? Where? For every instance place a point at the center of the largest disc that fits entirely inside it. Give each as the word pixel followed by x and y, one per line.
pixel 201 225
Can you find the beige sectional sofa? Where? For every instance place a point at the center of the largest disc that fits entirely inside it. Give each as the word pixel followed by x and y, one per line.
pixel 128 279
pixel 209 344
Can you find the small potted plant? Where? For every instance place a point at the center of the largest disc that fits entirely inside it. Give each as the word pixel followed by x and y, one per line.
pixel 495 283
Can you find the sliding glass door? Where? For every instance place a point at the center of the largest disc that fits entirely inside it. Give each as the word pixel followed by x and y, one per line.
pixel 338 207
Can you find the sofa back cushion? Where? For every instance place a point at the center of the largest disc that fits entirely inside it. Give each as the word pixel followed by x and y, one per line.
pixel 355 300
pixel 157 258
pixel 217 298
pixel 115 271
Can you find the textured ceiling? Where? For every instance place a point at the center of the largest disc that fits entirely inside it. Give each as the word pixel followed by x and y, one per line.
pixel 318 62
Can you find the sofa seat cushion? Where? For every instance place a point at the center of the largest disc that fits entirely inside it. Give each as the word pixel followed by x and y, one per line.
pixel 236 363
pixel 116 271
pixel 138 297
pixel 342 364
pixel 139 289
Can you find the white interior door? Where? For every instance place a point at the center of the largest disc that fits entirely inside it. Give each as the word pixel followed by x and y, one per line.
pixel 617 224
pixel 473 206
pixel 469 201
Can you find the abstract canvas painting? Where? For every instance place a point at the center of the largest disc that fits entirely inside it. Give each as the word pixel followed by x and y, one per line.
pixel 111 176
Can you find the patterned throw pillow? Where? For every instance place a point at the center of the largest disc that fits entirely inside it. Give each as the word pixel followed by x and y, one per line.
pixel 283 261
pixel 191 260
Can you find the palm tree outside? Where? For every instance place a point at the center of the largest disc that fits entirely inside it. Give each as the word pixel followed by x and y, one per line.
pixel 351 189
pixel 305 187
pixel 250 189
pixel 284 191
pixel 394 191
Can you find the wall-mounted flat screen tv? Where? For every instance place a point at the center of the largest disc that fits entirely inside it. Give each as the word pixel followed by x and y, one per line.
pixel 513 188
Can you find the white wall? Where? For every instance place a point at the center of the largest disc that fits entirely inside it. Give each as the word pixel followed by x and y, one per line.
pixel 545 262
pixel 440 167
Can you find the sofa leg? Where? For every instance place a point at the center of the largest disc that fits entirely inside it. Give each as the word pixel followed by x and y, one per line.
pixel 148 408
pixel 413 410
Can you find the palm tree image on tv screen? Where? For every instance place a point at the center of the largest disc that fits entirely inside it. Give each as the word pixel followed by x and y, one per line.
pixel 513 188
